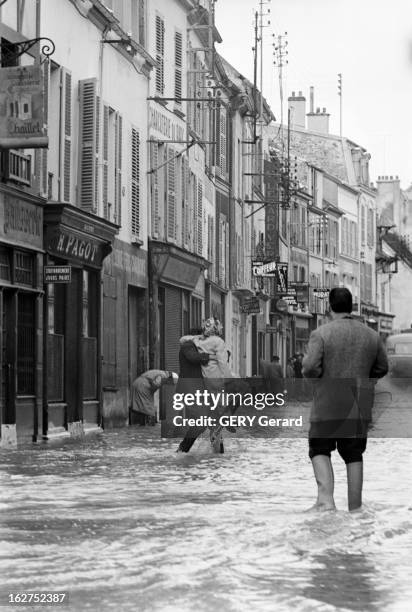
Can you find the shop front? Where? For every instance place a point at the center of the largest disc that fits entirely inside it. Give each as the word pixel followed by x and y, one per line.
pixel 72 392
pixel 125 349
pixel 176 300
pixel 385 327
pixel 302 332
pixel 21 298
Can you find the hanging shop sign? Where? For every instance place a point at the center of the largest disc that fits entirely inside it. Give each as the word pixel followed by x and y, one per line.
pixel 320 293
pixel 281 305
pixel 301 291
pixel 273 269
pixel 57 274
pixel 290 300
pixel 21 108
pixel 251 306
pixel 282 277
pixel 264 269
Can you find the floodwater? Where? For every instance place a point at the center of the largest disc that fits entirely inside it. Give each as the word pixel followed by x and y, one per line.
pixel 121 522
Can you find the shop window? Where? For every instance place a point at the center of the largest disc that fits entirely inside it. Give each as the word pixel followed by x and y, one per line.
pixel 25 344
pixel 185 313
pixel 89 304
pixel 4 264
pixel 23 268
pixel 56 305
pixel 196 313
pixel 90 324
pixel 8 54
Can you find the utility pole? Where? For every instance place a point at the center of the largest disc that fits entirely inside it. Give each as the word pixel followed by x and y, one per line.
pixel 280 52
pixel 340 102
pixel 261 25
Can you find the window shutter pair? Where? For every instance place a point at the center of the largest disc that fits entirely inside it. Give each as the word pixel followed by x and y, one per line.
pixel 135 183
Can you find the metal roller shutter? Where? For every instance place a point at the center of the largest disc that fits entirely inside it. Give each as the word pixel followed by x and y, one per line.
pixel 173 327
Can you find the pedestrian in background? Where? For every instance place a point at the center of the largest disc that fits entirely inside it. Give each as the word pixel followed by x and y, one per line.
pixel 346 357
pixel 290 378
pixel 143 390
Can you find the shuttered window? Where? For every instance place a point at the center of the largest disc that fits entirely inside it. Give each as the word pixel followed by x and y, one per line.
pixel 105 190
pixel 88 144
pixel 118 161
pixel 65 133
pixel 154 163
pixel 185 203
pixel 370 227
pixel 160 49
pixel 43 152
pixel 138 20
pixel 363 224
pixel 135 185
pixel 178 65
pixel 171 194
pixel 142 22
pixel 109 336
pixel 199 217
pixel 222 141
pixel 197 214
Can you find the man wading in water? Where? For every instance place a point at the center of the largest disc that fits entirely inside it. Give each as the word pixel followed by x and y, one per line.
pixel 346 357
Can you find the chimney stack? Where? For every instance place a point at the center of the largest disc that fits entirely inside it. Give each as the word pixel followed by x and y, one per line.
pixel 312 99
pixel 319 121
pixel 297 107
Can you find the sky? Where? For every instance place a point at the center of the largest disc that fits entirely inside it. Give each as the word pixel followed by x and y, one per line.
pixel 368 41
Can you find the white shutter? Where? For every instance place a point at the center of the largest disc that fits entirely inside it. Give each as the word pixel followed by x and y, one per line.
pixel 160 47
pixel 154 163
pixel 43 154
pixel 135 186
pixel 185 203
pixel 222 140
pixel 118 169
pixel 178 65
pixel 171 194
pixel 142 22
pixel 199 217
pixel 65 134
pixel 105 162
pixel 88 144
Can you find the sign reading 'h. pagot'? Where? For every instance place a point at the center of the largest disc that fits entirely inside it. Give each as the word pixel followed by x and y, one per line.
pixel 21 108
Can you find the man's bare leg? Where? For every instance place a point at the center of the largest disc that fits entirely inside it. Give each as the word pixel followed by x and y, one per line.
pixel 322 467
pixel 354 473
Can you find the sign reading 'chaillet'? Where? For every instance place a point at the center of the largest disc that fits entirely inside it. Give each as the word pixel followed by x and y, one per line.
pixel 21 108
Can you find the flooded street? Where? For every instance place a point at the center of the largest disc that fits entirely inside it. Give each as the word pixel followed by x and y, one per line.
pixel 121 522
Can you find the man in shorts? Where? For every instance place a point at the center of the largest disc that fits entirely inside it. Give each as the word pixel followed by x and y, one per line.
pixel 345 357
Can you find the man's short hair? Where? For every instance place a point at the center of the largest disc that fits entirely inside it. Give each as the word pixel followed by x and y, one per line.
pixel 340 299
pixel 196 331
pixel 275 358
